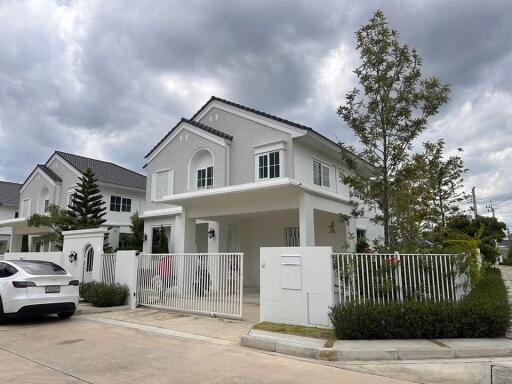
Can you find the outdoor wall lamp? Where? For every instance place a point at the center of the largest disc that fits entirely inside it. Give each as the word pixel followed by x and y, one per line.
pixel 145 237
pixel 72 257
pixel 211 233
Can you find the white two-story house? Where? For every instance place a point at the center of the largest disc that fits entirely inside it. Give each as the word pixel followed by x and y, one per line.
pixel 9 202
pixel 234 179
pixel 54 182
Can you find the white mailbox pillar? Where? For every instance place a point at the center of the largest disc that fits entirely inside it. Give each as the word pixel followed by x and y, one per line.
pixel 296 285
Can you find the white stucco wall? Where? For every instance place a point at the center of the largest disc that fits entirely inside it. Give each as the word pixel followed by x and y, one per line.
pixel 296 285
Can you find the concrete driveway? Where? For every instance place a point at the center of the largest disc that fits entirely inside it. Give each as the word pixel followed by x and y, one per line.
pixel 88 349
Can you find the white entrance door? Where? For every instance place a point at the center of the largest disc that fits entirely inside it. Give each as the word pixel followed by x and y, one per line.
pixel 88 265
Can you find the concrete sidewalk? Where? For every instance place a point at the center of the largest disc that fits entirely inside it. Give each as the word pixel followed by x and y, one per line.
pixel 372 350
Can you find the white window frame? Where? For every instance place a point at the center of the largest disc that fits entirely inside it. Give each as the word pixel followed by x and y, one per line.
pixel 322 176
pixel 123 199
pixel 206 178
pixel 267 166
pixel 154 184
pixel 265 150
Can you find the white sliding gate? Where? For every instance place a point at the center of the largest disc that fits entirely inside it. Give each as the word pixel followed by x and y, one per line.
pixel 207 283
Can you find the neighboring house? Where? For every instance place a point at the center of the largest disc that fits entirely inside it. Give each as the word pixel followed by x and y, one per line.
pixel 9 202
pixel 54 182
pixel 234 179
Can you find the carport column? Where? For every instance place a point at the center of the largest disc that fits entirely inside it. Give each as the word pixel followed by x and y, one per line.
pixel 214 247
pixel 185 233
pixel 185 242
pixel 15 242
pixel 351 235
pixel 306 221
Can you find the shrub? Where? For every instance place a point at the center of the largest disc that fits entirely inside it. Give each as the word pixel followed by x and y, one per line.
pixel 104 295
pixel 489 253
pixel 483 313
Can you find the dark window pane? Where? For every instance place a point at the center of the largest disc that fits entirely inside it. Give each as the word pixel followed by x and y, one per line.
pixel 6 270
pixel 40 267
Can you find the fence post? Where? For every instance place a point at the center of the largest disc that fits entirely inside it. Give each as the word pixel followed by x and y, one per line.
pixel 399 270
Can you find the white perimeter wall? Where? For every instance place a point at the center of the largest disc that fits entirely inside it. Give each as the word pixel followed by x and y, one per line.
pixel 296 285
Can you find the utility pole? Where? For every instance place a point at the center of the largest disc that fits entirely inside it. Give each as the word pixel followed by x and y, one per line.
pixel 490 208
pixel 474 201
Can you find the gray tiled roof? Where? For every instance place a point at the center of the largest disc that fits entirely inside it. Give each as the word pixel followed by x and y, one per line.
pixel 196 124
pixel 52 175
pixel 105 171
pixel 9 193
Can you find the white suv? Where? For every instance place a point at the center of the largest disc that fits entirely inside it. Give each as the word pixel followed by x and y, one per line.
pixel 29 287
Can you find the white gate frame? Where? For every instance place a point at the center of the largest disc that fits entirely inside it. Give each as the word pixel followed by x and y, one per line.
pixel 199 283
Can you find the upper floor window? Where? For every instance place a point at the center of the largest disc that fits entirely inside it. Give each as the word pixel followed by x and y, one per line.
pixel 26 207
pixel 321 174
pixel 44 200
pixel 205 178
pixel 120 204
pixel 200 170
pixel 162 184
pixel 269 165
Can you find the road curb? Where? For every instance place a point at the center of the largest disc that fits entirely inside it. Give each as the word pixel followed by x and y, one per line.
pixel 441 351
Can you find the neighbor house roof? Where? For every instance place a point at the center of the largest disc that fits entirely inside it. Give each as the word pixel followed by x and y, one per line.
pixel 52 175
pixel 105 171
pixel 196 124
pixel 9 193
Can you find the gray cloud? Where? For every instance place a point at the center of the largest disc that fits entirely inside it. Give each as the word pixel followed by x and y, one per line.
pixel 108 79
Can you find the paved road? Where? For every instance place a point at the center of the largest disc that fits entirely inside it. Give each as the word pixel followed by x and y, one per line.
pixel 81 350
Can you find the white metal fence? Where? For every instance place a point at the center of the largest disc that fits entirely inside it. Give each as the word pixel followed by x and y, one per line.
pixel 108 268
pixel 384 278
pixel 207 283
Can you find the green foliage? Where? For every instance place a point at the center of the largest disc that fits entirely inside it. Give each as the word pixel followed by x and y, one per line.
pixel 485 312
pixel 137 228
pixel 427 192
pixel 57 220
pixel 104 295
pixel 362 245
pixel 387 115
pixel 136 237
pixel 487 229
pixel 489 253
pixel 160 241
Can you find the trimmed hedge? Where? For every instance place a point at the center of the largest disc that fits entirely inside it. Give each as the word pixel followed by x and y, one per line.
pixel 485 312
pixel 104 295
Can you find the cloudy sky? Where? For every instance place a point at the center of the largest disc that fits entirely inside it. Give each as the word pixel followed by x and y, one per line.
pixel 107 79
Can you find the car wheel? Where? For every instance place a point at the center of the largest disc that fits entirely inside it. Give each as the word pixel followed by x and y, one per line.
pixel 65 315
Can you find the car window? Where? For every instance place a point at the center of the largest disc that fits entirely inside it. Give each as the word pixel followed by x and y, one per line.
pixel 7 270
pixel 36 267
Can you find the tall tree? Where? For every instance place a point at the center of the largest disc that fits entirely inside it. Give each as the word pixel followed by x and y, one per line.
pixel 389 113
pixel 87 207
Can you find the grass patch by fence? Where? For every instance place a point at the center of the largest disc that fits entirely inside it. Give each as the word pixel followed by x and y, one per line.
pixel 485 312
pixel 298 330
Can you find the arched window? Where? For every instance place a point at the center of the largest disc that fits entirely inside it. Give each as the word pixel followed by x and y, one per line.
pixel 89 259
pixel 44 200
pixel 201 170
